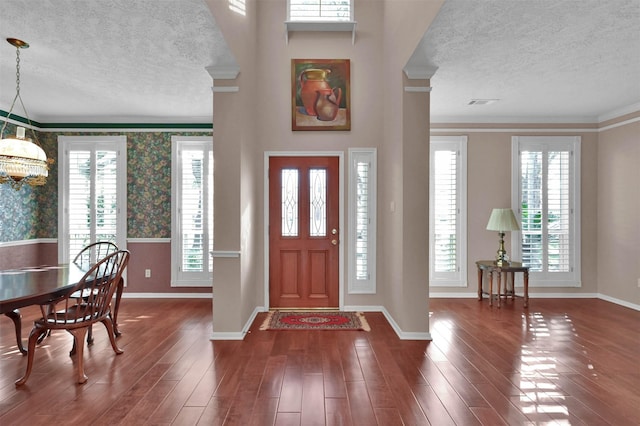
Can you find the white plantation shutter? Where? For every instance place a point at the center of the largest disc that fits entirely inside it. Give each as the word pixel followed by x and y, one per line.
pixel 362 220
pixel 93 192
pixel 546 194
pixel 79 190
pixel 192 241
pixel 447 211
pixel 320 10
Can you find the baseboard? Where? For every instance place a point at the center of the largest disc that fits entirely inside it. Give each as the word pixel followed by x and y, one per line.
pixel 619 302
pixel 545 296
pixel 127 295
pixel 445 295
pixel 227 336
pixel 474 295
pixel 402 335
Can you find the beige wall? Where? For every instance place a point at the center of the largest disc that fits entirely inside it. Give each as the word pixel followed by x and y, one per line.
pixel 263 104
pixel 618 253
pixel 489 186
pixel 257 119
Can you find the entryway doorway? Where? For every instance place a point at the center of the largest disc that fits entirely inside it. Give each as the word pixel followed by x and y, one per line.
pixel 304 233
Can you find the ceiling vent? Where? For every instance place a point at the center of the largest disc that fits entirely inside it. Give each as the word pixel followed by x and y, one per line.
pixel 482 101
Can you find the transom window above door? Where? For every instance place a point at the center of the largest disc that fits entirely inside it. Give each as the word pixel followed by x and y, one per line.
pixel 320 10
pixel 320 15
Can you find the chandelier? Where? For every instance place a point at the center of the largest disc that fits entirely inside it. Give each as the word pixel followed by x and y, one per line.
pixel 21 160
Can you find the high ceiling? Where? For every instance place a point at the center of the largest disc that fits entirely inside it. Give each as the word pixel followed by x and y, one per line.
pixel 143 61
pixel 136 61
pixel 546 61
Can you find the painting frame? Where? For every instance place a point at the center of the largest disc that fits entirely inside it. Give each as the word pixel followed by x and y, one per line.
pixel 320 94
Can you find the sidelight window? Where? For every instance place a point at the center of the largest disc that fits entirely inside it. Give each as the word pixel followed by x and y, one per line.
pixel 362 220
pixel 447 211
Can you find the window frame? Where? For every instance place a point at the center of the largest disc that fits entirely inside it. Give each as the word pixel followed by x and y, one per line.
pixel 558 143
pixel 368 285
pixel 319 18
pixel 457 278
pixel 180 278
pixel 90 143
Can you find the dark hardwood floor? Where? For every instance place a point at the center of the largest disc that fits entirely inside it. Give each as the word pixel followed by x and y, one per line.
pixel 561 362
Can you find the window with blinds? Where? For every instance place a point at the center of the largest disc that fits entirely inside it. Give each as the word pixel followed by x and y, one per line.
pixel 93 192
pixel 320 10
pixel 192 218
pixel 447 211
pixel 546 179
pixel 362 221
pixel 238 6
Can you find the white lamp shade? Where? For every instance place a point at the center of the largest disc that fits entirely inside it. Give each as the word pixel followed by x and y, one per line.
pixel 22 148
pixel 502 220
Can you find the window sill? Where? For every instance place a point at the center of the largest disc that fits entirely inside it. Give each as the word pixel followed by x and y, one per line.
pixel 336 26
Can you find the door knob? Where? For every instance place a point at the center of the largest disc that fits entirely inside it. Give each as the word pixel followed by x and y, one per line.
pixel 334 231
pixel 334 242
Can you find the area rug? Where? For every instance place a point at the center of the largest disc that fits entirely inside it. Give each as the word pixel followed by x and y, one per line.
pixel 315 320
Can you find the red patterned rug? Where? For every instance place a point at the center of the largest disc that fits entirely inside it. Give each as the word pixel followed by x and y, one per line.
pixel 315 320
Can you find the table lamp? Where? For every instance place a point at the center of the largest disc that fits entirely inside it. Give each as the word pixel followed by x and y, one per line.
pixel 502 220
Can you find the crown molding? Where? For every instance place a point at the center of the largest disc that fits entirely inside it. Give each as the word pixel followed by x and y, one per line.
pixel 223 72
pixel 424 72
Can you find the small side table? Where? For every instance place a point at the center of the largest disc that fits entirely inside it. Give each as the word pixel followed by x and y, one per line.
pixel 513 267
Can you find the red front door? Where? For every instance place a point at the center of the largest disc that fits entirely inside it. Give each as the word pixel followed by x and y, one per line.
pixel 303 232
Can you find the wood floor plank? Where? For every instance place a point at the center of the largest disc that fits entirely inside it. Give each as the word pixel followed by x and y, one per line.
pixel 264 412
pixel 313 410
pixel 215 413
pixel 291 394
pixel 188 416
pixel 360 404
pixel 433 408
pixel 562 361
pixel 337 412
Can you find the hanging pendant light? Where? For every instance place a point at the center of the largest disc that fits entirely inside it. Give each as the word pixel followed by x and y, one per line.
pixel 21 160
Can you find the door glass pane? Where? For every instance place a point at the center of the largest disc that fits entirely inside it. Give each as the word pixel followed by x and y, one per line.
pixel 318 202
pixel 289 182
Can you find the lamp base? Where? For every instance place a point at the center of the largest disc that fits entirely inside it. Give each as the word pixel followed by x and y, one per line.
pixel 501 255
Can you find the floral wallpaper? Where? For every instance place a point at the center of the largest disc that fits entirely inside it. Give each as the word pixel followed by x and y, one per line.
pixel 33 212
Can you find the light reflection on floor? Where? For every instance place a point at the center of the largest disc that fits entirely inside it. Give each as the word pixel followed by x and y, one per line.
pixel 539 375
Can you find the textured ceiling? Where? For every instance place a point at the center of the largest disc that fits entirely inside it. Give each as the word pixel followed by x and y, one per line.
pixel 143 61
pixel 111 60
pixel 547 61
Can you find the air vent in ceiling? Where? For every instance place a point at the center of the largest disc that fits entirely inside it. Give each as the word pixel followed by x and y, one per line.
pixel 482 101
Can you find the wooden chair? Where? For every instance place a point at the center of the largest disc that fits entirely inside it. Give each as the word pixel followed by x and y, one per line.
pixel 85 259
pixel 77 314
pixel 93 253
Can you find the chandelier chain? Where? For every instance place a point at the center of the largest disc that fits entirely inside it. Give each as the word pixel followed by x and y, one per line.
pixel 17 70
pixel 19 97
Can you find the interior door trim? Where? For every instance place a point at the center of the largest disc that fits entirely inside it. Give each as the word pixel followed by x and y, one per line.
pixel 265 208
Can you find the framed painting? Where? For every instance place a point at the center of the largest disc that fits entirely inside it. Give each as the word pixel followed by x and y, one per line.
pixel 320 95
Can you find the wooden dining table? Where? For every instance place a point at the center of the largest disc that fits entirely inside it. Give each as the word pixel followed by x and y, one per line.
pixel 38 285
